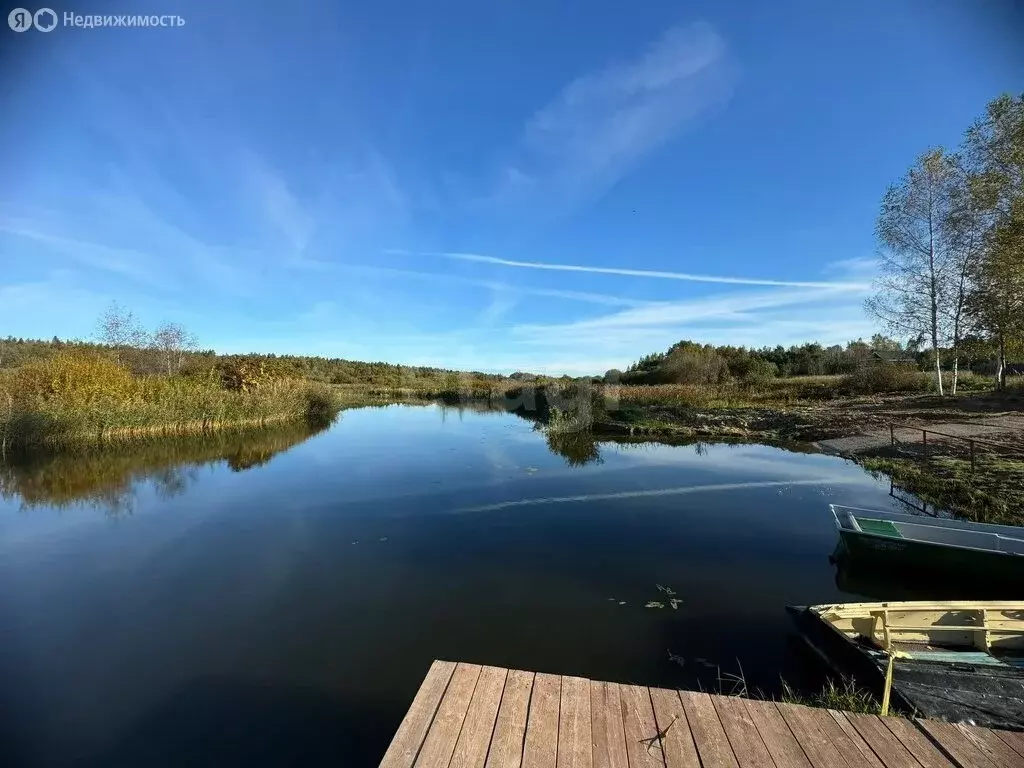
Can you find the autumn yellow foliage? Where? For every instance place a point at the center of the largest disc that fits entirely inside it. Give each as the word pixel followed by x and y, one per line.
pixel 80 396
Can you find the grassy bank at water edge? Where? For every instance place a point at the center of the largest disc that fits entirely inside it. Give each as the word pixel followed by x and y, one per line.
pixel 74 399
pixel 992 493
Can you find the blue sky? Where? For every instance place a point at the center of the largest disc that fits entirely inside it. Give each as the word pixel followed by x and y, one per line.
pixel 507 185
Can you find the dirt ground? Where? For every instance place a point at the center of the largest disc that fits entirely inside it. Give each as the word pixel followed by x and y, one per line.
pixel 874 426
pixel 847 426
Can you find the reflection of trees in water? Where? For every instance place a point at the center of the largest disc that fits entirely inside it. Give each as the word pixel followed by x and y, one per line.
pixel 173 481
pixel 108 478
pixel 582 447
pixel 474 406
pixel 577 448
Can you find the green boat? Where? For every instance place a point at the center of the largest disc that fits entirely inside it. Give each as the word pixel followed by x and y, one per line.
pixel 920 544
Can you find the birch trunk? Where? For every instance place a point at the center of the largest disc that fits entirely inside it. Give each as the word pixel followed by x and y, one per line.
pixel 1001 369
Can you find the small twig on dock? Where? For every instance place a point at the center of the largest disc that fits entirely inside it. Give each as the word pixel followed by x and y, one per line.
pixel 659 736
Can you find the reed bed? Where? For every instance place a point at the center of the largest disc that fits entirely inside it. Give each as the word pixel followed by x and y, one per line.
pixel 79 398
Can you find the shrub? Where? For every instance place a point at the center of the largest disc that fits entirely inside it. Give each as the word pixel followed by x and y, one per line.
pixel 70 378
pixel 759 372
pixel 321 404
pixel 694 365
pixel 874 379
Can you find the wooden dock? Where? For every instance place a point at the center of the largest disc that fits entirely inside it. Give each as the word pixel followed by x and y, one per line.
pixel 467 715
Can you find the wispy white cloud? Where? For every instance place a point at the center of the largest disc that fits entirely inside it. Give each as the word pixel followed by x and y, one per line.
pixel 226 269
pixel 629 272
pixel 738 316
pixel 702 310
pixel 603 123
pixel 277 202
pixel 860 268
pixel 124 262
pixel 442 279
pixel 502 302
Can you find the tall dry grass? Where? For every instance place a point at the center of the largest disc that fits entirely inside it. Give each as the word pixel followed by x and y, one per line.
pixel 728 394
pixel 82 397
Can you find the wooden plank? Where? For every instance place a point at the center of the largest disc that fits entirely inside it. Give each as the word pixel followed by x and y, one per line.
pixel 444 731
pixel 708 733
pixel 475 738
pixel 677 742
pixel 1001 753
pixel 778 738
pixel 1014 739
pixel 849 743
pixel 746 742
pixel 606 726
pixel 574 742
pixel 510 726
pixel 640 727
pixel 955 744
pixel 467 716
pixel 816 744
pixel 413 730
pixel 540 748
pixel 890 750
pixel 915 742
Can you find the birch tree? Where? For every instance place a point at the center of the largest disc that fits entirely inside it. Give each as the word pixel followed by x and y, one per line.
pixel 170 342
pixel 997 299
pixel 118 329
pixel 914 262
pixel 964 230
pixel 995 149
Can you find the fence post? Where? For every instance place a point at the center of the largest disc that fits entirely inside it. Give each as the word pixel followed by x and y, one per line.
pixel 971 443
pixel 924 445
pixel 892 436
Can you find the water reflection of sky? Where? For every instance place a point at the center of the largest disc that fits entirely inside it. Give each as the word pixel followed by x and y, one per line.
pixel 324 580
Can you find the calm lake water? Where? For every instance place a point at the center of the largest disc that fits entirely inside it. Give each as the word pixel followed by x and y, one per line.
pixel 276 600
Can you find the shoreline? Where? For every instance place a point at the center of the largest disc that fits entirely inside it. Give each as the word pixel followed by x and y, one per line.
pixel 857 429
pixel 984 485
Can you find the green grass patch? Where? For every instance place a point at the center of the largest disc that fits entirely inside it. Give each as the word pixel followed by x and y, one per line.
pixel 992 493
pixel 845 696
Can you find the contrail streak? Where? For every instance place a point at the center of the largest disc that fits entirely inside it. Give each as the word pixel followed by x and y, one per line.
pixel 680 491
pixel 632 272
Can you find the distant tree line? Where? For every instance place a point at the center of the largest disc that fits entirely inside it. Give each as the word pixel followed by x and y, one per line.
pixel 171 350
pixel 689 362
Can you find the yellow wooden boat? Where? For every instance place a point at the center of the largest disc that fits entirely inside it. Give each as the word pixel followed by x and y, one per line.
pixel 961 661
pixel 915 626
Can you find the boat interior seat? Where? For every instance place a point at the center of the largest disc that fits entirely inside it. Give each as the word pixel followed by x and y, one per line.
pixel 956 536
pixel 960 537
